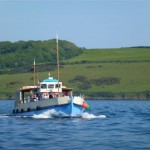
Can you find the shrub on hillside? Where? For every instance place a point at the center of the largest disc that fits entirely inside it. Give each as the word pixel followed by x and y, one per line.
pixel 106 81
pixel 79 78
pixel 85 85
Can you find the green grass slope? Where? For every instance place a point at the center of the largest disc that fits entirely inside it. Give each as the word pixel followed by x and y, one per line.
pixel 97 73
pixel 119 54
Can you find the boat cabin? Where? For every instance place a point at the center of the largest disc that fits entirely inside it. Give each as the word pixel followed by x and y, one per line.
pixel 50 85
pixel 27 94
pixel 47 89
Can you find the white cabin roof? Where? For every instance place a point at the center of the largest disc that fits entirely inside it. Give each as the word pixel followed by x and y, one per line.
pixel 50 79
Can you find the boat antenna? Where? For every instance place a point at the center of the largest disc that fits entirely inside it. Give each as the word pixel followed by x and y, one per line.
pixel 34 73
pixel 57 62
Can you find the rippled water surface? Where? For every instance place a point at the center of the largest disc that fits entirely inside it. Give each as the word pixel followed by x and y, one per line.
pixel 109 125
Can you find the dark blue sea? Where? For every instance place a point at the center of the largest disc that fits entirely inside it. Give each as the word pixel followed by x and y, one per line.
pixel 108 125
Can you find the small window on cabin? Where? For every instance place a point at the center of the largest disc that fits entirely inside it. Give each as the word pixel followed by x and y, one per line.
pixel 43 86
pixel 51 86
pixel 56 86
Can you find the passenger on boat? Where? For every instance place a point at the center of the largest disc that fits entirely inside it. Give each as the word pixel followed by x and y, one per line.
pixel 65 94
pixel 51 95
pixel 45 95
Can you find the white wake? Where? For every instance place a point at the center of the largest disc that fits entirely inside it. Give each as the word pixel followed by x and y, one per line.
pixel 52 113
pixel 87 115
pixel 46 114
pixel 3 116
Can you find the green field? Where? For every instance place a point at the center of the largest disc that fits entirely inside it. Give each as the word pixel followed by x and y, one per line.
pixel 121 54
pixel 130 66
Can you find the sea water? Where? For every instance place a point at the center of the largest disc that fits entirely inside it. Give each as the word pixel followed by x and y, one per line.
pixel 108 125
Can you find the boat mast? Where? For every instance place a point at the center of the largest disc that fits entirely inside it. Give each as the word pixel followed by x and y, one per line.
pixel 57 63
pixel 34 73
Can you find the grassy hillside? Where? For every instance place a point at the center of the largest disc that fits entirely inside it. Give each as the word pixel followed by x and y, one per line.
pixel 120 54
pixel 97 73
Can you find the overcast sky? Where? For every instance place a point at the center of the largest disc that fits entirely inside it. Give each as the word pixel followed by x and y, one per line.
pixel 87 23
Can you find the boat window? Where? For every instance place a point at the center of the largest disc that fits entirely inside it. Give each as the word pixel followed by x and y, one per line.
pixel 51 86
pixel 43 86
pixel 56 86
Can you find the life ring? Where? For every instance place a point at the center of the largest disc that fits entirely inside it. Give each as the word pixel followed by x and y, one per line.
pixel 45 95
pixel 55 94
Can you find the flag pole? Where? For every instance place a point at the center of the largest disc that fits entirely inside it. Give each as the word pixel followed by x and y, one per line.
pixel 34 73
pixel 57 62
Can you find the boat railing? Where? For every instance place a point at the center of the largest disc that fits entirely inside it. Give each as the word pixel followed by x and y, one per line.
pixel 29 99
pixel 79 95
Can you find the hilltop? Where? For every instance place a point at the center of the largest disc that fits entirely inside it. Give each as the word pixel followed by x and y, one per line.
pixel 22 53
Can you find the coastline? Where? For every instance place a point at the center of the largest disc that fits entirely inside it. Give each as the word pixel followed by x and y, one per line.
pixel 91 98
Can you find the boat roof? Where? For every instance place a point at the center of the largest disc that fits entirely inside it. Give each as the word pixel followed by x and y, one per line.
pixel 50 79
pixel 64 88
pixel 28 88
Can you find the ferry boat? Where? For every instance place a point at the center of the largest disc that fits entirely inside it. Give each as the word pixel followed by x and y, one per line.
pixel 33 100
pixel 49 95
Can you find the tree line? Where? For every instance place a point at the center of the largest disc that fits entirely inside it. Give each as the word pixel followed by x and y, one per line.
pixel 22 53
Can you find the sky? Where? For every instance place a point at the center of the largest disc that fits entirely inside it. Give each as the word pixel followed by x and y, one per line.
pixel 86 23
